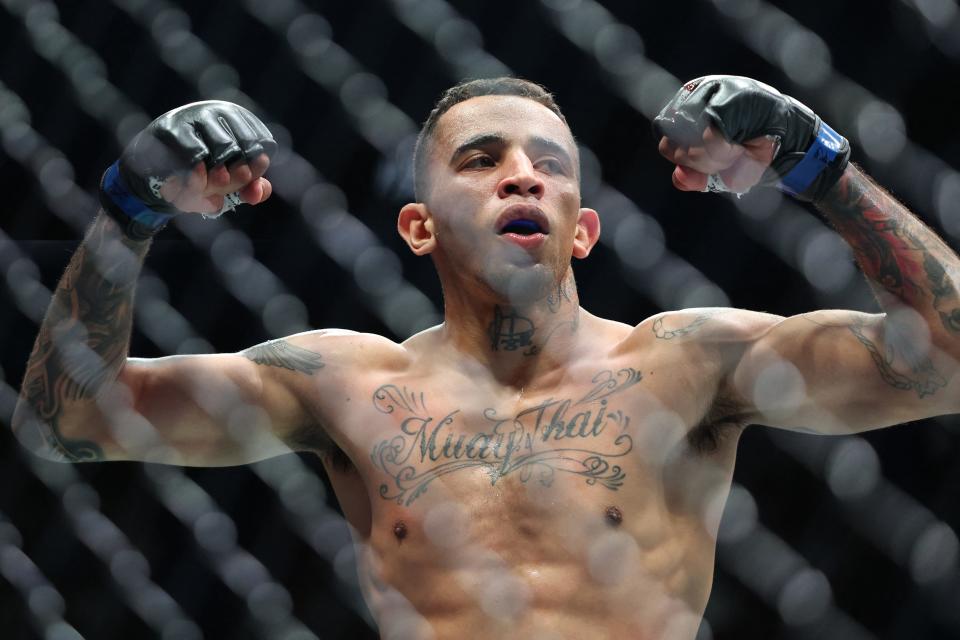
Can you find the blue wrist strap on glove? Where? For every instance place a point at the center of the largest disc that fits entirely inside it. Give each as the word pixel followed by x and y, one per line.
pixel 135 218
pixel 820 157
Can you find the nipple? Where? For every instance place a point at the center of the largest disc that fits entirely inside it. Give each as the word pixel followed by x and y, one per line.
pixel 613 516
pixel 400 530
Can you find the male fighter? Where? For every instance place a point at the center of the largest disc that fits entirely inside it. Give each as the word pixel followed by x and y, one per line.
pixel 525 469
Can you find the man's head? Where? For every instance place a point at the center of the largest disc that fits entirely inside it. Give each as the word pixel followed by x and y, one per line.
pixel 498 191
pixel 503 86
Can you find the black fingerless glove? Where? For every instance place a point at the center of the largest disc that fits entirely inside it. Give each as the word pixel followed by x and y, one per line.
pixel 811 156
pixel 213 132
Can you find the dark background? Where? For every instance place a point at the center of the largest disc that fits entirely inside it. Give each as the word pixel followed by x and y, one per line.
pixel 886 51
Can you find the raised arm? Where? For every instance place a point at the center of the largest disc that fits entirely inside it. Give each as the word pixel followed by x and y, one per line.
pixel 825 371
pixel 82 399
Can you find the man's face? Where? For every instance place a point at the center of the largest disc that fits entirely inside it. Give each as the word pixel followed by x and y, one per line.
pixel 504 195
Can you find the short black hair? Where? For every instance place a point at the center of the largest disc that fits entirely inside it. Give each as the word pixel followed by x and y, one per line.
pixel 502 86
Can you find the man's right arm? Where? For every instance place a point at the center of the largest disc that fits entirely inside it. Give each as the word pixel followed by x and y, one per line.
pixel 82 399
pixel 81 346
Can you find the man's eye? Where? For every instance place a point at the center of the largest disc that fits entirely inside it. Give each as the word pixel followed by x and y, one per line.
pixel 552 165
pixel 478 161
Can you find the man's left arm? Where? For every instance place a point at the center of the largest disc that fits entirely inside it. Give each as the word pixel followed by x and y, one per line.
pixel 906 262
pixel 825 371
pixel 844 371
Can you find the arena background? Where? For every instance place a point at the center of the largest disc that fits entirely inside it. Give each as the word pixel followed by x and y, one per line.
pixel 850 538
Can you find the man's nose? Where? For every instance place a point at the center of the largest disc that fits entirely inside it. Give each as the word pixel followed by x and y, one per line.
pixel 521 179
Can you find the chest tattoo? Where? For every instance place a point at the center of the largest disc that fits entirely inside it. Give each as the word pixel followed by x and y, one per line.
pixel 578 435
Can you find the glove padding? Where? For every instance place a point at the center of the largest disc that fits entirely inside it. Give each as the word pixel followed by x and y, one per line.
pixel 214 132
pixel 810 157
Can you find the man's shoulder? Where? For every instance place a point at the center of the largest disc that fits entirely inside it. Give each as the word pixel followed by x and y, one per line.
pixel 707 325
pixel 346 348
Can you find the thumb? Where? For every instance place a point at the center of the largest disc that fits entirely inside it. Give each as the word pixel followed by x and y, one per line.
pixel 687 179
pixel 257 191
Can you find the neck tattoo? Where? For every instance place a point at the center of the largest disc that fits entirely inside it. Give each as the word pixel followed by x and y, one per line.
pixel 510 331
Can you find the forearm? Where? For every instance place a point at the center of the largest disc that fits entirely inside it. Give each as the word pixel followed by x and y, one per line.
pixel 82 344
pixel 901 256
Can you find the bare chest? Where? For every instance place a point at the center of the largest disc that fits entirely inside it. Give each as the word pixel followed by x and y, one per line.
pixel 592 482
pixel 575 432
pixel 605 431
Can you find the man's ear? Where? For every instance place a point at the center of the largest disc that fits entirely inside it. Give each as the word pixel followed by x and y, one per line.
pixel 588 232
pixel 415 225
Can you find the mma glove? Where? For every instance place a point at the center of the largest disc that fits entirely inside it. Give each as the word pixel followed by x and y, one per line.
pixel 213 132
pixel 809 157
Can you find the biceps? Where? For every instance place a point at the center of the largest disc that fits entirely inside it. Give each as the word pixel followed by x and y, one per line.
pixel 194 410
pixel 841 372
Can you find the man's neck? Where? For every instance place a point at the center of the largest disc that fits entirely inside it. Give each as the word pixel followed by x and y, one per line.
pixel 516 343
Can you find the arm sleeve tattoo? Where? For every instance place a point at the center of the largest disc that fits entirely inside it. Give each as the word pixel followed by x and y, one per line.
pixel 906 263
pixel 83 341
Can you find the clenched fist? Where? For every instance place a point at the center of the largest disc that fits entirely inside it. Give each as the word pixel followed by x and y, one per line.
pixel 729 133
pixel 204 157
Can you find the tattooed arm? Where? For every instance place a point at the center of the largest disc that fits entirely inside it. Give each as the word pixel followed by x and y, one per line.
pixel 81 346
pixel 827 371
pixel 82 399
pixel 843 371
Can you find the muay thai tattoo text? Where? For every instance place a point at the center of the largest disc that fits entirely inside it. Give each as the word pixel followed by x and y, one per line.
pixel 571 436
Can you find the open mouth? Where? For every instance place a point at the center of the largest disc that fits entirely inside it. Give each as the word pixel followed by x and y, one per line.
pixel 522 220
pixel 522 227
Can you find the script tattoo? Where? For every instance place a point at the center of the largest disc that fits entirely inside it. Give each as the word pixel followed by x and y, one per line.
pixel 555 301
pixel 558 297
pixel 280 353
pixel 554 435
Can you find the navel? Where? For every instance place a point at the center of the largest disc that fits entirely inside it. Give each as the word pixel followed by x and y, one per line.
pixel 400 530
pixel 613 516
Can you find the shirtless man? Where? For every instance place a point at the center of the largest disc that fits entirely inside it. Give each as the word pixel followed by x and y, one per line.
pixel 525 469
